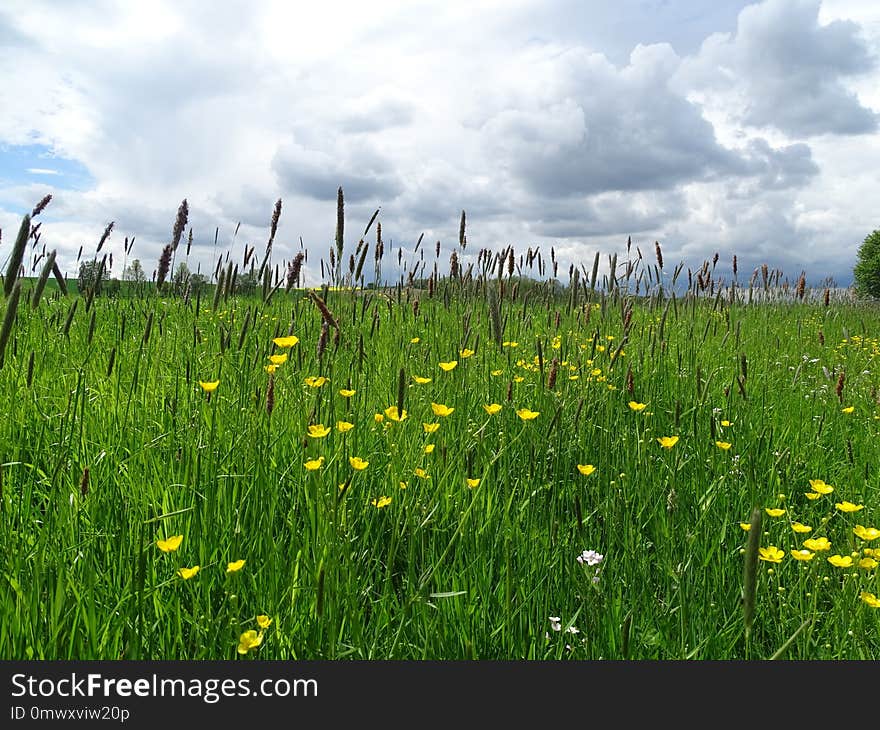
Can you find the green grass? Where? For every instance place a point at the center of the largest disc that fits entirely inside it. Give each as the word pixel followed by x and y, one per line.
pixel 445 570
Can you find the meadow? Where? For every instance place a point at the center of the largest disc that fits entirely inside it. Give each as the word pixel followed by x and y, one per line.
pixel 484 464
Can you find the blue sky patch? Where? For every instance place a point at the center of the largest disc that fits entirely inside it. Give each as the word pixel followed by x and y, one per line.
pixel 34 163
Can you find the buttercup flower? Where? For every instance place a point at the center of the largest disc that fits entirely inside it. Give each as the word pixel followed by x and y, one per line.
pixel 429 448
pixel 249 641
pixel 420 380
pixel 798 527
pixel 358 463
pixel 771 554
pixel 318 430
pixel 817 544
pixel 263 621
pixel 636 406
pixel 381 502
pixel 316 381
pixel 723 445
pixel 234 566
pixel 667 442
pixel 841 561
pixel 774 511
pixel 802 555
pixel 441 410
pixel 820 487
pixel 392 414
pixel 868 563
pixel 866 533
pixel 472 482
pixel 313 464
pixel 187 573
pixel 849 506
pixel 170 544
pixel 492 408
pixel 343 426
pixel 527 415
pixel 726 423
pixel 278 359
pixel 209 386
pixel 346 392
pixel 421 473
pixel 586 469
pixel 465 353
pixel 447 366
pixel 848 409
pixel 430 427
pixel 286 341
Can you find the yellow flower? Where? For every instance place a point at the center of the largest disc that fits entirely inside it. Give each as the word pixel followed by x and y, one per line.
pixel 848 409
pixel 820 487
pixel 170 544
pixel 429 448
pixel 249 640
pixel 526 415
pixel 840 561
pixel 595 372
pixel 745 526
pixel 771 554
pixel 586 469
pixel 472 482
pixel 378 418
pixel 447 366
pixel 726 423
pixel 492 408
pixel 812 495
pixel 723 445
pixel 278 359
pixel 518 378
pixel 393 415
pixel 343 426
pixel 313 464
pixel 774 511
pixel 346 393
pixel 402 484
pixel 636 406
pixel 510 344
pixel 314 381
pixel 441 410
pixel 286 341
pixel 381 502
pixel 868 563
pixel 271 368
pixel 667 442
pixel 802 555
pixel 235 566
pixel 420 380
pixel 866 533
pixel 849 506
pixel 465 353
pixel 817 544
pixel 187 573
pixel 798 527
pixel 263 621
pixel 210 386
pixel 415 340
pixel 496 373
pixel 430 427
pixel 318 430
pixel 421 473
pixel 870 599
pixel 358 463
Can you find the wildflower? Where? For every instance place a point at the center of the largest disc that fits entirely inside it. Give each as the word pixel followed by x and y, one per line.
pixel 771 554
pixel 378 418
pixel 870 599
pixel 358 463
pixel 812 495
pixel 555 623
pixel 187 573
pixel 392 414
pixel 774 511
pixel 383 501
pixel 402 484
pixel 318 430
pixel 868 563
pixel 518 378
pixel 210 386
pixel 313 464
pixel 421 473
pixel 509 344
pixel 316 381
pixel 234 566
pixel 802 555
pixel 586 469
pixel 496 373
pixel 441 410
pixel 429 448
pixel 286 341
pixel 590 557
pixel 430 427
pixel 866 533
pixel 841 561
pixel 343 426
pixel 447 366
pixel 271 368
pixel 636 406
pixel 849 506
pixel 472 482
pixel 817 544
pixel 250 639
pixel 420 380
pixel 723 445
pixel 820 487
pixel 745 526
pixel 263 621
pixel 278 359
pixel 667 442
pixel 492 408
pixel 346 393
pixel 848 409
pixel 170 544
pixel 465 353
pixel 726 423
pixel 798 527
pixel 526 415
pixel 415 340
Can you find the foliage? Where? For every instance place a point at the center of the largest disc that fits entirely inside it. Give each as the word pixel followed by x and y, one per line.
pixel 866 273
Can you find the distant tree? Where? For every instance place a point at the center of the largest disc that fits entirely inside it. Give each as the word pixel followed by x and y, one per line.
pixel 180 278
pixel 88 275
pixel 197 283
pixel 246 283
pixel 866 272
pixel 135 272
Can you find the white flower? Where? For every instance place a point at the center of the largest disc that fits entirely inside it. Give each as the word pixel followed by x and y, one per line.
pixel 573 630
pixel 590 557
pixel 555 623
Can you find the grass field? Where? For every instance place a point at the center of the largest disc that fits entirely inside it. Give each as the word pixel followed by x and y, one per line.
pixel 468 471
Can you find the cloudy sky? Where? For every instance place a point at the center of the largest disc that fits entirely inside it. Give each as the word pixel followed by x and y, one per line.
pixel 737 128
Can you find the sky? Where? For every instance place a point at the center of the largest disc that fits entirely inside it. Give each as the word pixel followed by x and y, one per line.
pixel 745 129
